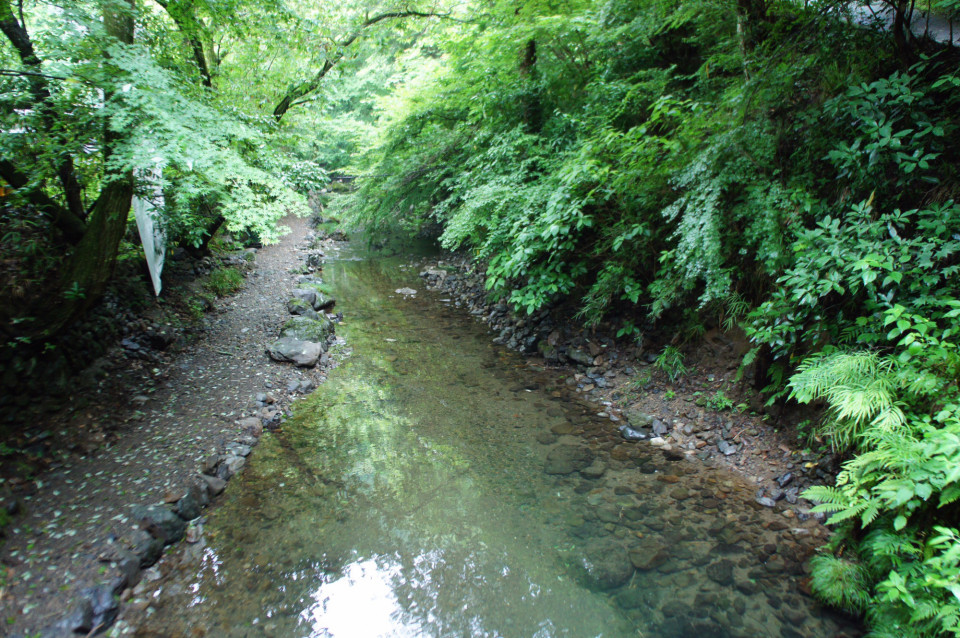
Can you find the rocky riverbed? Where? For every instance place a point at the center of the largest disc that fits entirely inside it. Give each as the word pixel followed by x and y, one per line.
pixel 706 413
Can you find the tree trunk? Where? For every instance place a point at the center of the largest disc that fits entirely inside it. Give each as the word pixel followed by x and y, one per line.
pixel 532 108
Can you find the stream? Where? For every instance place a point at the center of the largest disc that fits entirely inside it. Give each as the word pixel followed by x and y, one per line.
pixel 409 496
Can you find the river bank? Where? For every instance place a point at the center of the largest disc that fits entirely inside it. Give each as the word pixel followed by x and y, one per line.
pixel 157 435
pixel 700 408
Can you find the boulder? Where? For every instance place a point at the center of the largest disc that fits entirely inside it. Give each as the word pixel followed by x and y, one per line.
pixel 147 548
pixel 566 459
pixel 304 354
pixel 190 504
pixel 306 329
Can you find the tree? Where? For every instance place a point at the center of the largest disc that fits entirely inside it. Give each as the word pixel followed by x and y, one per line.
pixel 92 235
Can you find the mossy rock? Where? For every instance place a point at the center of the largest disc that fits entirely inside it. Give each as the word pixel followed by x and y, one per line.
pixel 307 329
pixel 302 308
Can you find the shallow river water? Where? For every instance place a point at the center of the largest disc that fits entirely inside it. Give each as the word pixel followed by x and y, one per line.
pixel 410 496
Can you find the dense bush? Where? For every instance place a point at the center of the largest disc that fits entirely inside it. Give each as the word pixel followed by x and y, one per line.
pixel 772 164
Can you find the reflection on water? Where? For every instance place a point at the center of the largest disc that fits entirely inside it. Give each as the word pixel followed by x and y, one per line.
pixel 408 498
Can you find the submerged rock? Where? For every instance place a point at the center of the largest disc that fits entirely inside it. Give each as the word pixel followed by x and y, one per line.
pixel 605 565
pixel 566 459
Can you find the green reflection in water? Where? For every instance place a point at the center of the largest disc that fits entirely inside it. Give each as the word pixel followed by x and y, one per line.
pixel 407 498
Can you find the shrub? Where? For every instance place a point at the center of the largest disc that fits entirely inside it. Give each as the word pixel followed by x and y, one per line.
pixel 224 281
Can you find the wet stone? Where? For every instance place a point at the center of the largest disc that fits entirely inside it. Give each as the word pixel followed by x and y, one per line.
pixel 605 565
pixel 721 572
pixel 566 459
pixel 160 521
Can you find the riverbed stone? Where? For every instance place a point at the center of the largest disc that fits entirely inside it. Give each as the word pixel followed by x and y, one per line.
pixel 303 354
pixel 214 484
pixel 649 554
pixel 638 419
pixel 190 504
pixel 594 471
pixel 632 434
pixel 605 565
pixel 566 459
pixel 721 572
pixel 302 308
pixel 580 356
pixel 147 547
pixel 306 329
pixel 161 521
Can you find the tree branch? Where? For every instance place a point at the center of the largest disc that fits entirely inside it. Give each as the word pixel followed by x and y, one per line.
pixel 20 39
pixel 309 86
pixel 69 224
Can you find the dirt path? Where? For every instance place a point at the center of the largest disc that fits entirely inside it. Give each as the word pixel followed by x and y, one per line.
pixel 77 516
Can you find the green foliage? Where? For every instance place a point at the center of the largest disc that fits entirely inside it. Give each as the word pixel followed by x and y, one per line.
pixel 896 500
pixel 670 362
pixel 720 402
pixel 224 281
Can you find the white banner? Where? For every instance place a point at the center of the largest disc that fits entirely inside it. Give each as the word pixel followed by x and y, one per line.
pixel 152 235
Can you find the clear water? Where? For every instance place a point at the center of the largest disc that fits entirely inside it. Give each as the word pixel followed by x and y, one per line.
pixel 408 498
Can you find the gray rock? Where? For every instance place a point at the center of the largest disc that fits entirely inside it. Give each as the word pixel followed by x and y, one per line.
pixel 792 495
pixel 252 425
pixel 604 565
pixel 307 295
pixel 214 485
pixel 659 428
pixel 580 356
pixel 631 434
pixel 104 606
pixel 305 329
pixel 161 522
pixel 79 620
pixel 147 548
pixel 238 449
pixel 785 480
pixel 304 354
pixel 301 308
pixel 566 459
pixel 128 563
pixel 638 419
pixel 209 464
pixel 230 466
pixel 766 501
pixel 726 448
pixel 190 504
pixel 324 302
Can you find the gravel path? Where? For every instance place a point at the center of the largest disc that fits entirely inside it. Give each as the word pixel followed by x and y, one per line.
pixel 77 515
